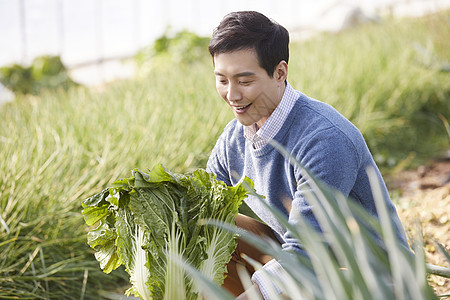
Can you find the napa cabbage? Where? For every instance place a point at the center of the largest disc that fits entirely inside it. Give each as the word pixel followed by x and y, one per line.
pixel 146 221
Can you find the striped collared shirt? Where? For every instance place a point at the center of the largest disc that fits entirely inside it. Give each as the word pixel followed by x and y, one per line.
pixel 260 137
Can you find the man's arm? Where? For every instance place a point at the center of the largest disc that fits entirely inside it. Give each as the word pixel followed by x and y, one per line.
pixel 333 159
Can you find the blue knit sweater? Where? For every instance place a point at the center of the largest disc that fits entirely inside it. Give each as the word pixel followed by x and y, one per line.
pixel 325 142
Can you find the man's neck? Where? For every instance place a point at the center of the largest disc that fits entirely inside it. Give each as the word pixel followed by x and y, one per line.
pixel 261 122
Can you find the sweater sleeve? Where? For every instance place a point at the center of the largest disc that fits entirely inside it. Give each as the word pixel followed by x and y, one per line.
pixel 217 166
pixel 333 159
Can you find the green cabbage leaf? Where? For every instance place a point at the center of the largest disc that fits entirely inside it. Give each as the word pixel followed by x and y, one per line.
pixel 148 220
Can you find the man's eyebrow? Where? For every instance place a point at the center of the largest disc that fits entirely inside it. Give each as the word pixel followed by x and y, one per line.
pixel 242 74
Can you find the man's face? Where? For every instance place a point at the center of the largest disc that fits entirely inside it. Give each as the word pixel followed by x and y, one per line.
pixel 251 93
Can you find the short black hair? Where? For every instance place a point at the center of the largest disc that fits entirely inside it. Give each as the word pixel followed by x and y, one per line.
pixel 252 30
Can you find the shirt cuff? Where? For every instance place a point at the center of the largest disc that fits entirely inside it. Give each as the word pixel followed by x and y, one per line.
pixel 264 279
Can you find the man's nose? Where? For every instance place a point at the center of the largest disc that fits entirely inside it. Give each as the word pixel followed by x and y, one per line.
pixel 233 93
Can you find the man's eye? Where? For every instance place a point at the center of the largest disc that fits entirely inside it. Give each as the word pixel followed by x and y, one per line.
pixel 245 82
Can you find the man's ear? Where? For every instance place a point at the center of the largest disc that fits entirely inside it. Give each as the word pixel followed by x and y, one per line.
pixel 281 71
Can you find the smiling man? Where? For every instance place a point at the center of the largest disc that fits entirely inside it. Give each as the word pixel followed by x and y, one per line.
pixel 250 54
pixel 252 94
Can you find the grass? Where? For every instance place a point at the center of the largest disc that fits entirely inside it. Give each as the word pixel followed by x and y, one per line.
pixel 61 147
pixel 51 161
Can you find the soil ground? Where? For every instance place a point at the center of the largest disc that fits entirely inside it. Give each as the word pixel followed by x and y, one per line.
pixel 423 196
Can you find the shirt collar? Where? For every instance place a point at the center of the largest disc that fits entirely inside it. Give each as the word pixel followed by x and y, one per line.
pixel 260 137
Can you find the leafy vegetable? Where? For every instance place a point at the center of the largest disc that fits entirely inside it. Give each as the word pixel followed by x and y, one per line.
pixel 148 221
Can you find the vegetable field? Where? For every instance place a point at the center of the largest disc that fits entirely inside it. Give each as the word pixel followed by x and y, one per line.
pixel 392 79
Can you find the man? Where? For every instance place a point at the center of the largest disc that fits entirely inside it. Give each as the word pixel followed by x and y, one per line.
pixel 250 54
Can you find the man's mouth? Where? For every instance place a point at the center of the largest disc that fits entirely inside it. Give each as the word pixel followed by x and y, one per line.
pixel 241 109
